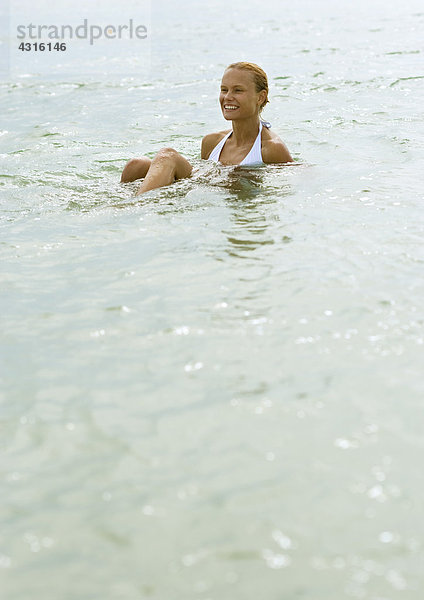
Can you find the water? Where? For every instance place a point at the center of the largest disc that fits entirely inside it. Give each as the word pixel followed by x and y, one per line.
pixel 215 391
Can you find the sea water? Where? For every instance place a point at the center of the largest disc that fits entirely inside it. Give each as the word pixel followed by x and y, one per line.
pixel 215 390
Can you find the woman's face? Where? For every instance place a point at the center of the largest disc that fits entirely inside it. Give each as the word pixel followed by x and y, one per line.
pixel 239 98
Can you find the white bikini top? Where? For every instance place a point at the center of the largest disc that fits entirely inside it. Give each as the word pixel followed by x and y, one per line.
pixel 254 157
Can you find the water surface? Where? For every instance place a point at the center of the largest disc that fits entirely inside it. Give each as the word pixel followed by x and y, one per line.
pixel 215 391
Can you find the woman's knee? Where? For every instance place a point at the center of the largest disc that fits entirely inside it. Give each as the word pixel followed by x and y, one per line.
pixel 136 168
pixel 167 153
pixel 170 159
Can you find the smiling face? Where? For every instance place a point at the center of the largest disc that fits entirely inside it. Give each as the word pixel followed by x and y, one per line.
pixel 239 98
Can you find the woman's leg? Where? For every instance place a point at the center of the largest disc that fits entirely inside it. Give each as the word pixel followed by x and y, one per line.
pixel 166 167
pixel 136 168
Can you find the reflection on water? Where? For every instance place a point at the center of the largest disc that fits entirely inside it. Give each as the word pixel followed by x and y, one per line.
pixel 233 179
pixel 245 182
pixel 251 202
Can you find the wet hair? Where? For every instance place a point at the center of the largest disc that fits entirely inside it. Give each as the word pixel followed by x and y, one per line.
pixel 259 77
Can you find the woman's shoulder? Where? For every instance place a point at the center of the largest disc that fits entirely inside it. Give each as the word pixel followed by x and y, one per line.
pixel 211 140
pixel 274 149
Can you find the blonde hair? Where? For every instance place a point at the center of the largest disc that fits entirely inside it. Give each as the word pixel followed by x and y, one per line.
pixel 259 78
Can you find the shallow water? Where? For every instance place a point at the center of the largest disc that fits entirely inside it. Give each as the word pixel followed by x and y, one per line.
pixel 215 391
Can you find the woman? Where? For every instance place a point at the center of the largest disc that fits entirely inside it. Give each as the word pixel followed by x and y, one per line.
pixel 244 93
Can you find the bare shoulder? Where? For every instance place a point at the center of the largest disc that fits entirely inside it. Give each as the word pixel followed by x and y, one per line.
pixel 274 149
pixel 210 141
